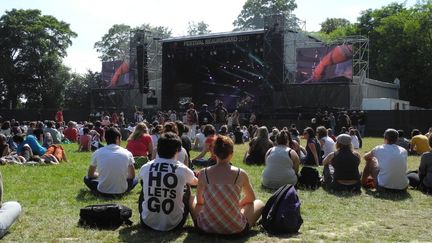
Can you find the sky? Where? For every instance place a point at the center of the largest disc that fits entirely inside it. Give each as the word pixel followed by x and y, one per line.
pixel 91 19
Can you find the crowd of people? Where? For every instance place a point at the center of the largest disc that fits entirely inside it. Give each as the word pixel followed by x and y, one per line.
pixel 225 202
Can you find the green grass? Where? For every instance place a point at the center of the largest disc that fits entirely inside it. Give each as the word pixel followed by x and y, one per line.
pixel 51 197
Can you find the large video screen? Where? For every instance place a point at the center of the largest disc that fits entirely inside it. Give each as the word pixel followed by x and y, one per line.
pixel 117 74
pixel 324 64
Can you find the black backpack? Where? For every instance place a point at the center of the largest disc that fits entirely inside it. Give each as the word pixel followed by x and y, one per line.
pixel 105 216
pixel 309 178
pixel 281 214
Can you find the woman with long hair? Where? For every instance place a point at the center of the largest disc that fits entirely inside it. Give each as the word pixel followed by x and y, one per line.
pixel 219 193
pixel 258 147
pixel 139 142
pixel 313 148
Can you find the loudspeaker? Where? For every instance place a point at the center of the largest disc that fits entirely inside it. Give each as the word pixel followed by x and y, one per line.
pixel 142 69
pixel 152 101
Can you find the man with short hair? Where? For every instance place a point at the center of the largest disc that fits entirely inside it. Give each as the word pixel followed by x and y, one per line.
pixel 55 134
pixel 387 164
pixel 115 167
pixel 164 203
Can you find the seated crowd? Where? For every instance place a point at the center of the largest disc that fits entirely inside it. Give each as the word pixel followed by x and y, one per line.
pixel 225 202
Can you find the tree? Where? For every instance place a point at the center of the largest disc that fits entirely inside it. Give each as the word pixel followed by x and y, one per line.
pixel 115 45
pixel 331 24
pixel 253 12
pixel 198 28
pixel 77 92
pixel 32 46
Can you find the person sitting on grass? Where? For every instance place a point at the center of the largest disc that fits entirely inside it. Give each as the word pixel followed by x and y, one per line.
pixel 182 155
pixel 209 133
pixel 419 143
pixel 341 167
pixel 139 142
pixel 85 141
pixel 313 148
pixel 9 212
pixel 164 199
pixel 282 163
pixel 386 165
pixel 422 179
pixel 115 167
pixel 218 207
pixel 258 147
pixel 402 141
pixel 4 146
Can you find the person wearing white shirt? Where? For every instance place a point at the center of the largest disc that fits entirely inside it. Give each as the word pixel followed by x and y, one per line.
pixel 387 164
pixel 111 171
pixel 165 198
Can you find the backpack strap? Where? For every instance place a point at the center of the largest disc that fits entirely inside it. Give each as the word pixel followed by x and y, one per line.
pixel 289 153
pixel 280 195
pixel 205 172
pixel 238 173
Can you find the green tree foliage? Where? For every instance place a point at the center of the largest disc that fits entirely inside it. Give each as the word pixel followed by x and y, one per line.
pixel 198 28
pixel 400 47
pixel 32 46
pixel 253 12
pixel 78 89
pixel 115 44
pixel 331 24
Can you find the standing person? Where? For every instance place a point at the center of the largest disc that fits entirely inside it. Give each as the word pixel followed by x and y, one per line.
pixel 164 199
pixel 114 118
pixel 387 164
pixel 332 121
pixel 218 207
pixel 362 123
pixel 59 116
pixel 221 115
pixel 235 119
pixel 205 117
pixel 115 173
pixel 354 119
pixel 252 119
pixel 192 120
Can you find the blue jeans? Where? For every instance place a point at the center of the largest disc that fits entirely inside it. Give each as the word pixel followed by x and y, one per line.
pixel 9 212
pixel 93 183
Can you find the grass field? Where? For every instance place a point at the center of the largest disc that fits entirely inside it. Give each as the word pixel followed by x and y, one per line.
pixel 51 197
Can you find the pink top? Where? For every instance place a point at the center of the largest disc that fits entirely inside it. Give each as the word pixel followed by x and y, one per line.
pixel 140 146
pixel 85 142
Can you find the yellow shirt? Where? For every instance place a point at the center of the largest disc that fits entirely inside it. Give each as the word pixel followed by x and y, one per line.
pixel 420 144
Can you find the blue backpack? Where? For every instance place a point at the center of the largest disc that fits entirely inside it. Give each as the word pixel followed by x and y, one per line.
pixel 281 214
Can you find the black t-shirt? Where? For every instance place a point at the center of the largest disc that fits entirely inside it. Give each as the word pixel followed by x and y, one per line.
pixel 345 165
pixel 205 117
pixel 221 114
pixel 238 137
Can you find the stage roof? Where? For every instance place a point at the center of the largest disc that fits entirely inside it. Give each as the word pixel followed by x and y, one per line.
pixel 227 34
pixel 214 35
